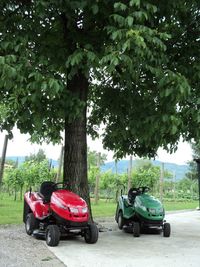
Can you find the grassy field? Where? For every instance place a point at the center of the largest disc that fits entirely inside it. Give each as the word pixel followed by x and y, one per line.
pixel 11 211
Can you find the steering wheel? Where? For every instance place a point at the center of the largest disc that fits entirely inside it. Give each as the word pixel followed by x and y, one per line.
pixel 58 186
pixel 144 189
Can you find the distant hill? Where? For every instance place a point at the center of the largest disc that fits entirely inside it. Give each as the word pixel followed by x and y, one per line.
pixel 123 165
pixel 54 163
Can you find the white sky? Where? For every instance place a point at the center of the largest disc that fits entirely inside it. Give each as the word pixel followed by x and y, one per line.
pixel 20 146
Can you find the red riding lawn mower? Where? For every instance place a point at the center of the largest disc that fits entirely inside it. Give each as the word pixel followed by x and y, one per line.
pixel 54 212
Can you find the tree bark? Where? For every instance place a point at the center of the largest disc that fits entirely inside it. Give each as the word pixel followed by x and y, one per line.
pixel 130 172
pixel 3 158
pixel 75 149
pixel 161 181
pixel 96 191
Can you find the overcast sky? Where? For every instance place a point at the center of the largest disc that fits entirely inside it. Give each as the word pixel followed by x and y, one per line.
pixel 20 146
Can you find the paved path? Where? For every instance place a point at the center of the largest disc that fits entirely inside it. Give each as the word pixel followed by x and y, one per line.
pixel 119 249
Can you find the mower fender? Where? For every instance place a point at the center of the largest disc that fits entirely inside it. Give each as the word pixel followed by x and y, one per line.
pixel 120 208
pixel 36 205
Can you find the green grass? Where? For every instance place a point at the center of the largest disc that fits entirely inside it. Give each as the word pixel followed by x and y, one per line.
pixel 171 206
pixel 11 211
pixel 103 209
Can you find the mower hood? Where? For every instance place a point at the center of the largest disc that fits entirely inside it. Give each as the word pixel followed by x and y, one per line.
pixel 149 207
pixel 149 201
pixel 67 198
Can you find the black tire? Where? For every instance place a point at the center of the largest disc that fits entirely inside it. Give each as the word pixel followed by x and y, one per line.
pixel 52 235
pixel 31 223
pixel 91 234
pixel 120 220
pixel 136 229
pixel 166 230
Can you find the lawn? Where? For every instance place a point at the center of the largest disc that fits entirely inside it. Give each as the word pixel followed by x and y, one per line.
pixel 11 211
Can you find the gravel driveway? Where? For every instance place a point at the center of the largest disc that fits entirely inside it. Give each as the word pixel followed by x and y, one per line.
pixel 17 249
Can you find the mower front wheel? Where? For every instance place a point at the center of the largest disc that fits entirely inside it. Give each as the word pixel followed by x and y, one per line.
pixel 31 223
pixel 166 230
pixel 91 234
pixel 136 229
pixel 120 220
pixel 52 235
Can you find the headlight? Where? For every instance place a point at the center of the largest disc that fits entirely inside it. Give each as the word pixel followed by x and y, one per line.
pixel 74 210
pixel 84 210
pixel 143 207
pixel 161 210
pixel 152 211
pixel 63 207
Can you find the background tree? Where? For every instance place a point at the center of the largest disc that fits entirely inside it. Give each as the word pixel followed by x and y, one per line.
pixel 95 161
pixel 187 189
pixel 127 60
pixel 37 157
pixel 28 174
pixel 108 184
pixel 192 173
pixel 145 174
pixel 92 157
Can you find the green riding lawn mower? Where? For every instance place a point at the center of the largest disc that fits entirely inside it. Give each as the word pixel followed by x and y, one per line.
pixel 140 212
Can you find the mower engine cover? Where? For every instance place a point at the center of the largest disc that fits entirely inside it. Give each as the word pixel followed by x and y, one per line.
pixel 149 207
pixel 69 206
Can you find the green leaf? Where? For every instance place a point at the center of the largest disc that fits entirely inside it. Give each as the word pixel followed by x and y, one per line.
pixel 174 129
pixel 126 45
pixel 51 83
pixel 130 21
pixel 56 86
pixel 91 56
pixel 95 9
pixel 44 86
pixel 119 19
pixel 13 72
pixel 5 45
pixel 134 3
pixel 76 58
pixel 2 60
pixel 32 74
pixel 120 6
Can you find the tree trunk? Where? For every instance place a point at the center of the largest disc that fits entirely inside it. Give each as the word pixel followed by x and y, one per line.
pixel 21 192
pixel 15 194
pixel 75 149
pixel 130 172
pixel 161 181
pixel 3 158
pixel 96 191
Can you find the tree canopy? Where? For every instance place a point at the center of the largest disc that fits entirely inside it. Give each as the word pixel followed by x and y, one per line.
pixel 138 52
pixel 135 64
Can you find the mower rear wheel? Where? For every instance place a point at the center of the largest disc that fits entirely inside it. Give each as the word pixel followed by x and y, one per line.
pixel 31 223
pixel 166 230
pixel 136 229
pixel 52 235
pixel 120 220
pixel 91 234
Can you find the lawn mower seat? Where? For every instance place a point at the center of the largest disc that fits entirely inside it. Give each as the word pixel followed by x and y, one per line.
pixel 46 190
pixel 132 193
